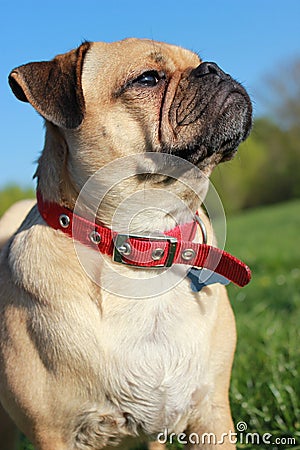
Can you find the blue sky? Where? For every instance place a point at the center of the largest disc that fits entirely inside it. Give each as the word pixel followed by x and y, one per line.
pixel 247 39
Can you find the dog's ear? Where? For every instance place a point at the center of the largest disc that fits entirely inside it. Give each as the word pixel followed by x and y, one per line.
pixel 53 87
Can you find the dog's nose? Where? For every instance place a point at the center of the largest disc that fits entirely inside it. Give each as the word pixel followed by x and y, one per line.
pixel 207 68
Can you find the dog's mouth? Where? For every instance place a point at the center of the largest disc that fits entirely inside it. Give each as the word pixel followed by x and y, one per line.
pixel 211 120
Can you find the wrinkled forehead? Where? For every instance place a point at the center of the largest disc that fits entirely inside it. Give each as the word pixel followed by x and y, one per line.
pixel 113 63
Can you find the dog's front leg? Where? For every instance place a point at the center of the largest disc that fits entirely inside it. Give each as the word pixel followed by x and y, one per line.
pixel 156 446
pixel 136 442
pixel 217 434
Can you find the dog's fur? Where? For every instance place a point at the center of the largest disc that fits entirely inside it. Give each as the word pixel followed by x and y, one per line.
pixel 12 219
pixel 82 367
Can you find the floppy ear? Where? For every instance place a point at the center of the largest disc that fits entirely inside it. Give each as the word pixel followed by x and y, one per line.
pixel 53 87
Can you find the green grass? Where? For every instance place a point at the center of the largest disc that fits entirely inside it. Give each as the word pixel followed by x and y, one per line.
pixel 13 193
pixel 265 388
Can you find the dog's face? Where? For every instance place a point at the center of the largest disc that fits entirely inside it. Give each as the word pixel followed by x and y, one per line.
pixel 162 97
pixel 135 96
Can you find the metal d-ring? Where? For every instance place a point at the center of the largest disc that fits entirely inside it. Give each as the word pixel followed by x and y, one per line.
pixel 202 228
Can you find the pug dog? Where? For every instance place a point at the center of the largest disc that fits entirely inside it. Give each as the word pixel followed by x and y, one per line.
pixel 94 350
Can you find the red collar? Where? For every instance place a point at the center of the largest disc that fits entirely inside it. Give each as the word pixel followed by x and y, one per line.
pixel 172 247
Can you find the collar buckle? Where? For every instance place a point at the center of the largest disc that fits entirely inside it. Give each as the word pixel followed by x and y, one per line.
pixel 122 248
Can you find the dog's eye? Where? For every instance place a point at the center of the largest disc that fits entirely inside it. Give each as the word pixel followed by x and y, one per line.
pixel 150 78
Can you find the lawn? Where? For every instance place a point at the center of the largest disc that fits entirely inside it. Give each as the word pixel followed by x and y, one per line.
pixel 265 389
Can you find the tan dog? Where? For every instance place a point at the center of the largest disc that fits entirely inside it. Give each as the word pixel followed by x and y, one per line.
pixel 81 366
pixel 12 219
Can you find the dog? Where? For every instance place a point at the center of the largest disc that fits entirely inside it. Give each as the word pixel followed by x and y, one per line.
pixel 12 219
pixel 94 349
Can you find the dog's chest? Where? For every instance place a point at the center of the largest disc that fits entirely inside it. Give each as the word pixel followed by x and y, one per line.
pixel 156 359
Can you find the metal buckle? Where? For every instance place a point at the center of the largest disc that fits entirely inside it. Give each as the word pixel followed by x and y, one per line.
pixel 121 239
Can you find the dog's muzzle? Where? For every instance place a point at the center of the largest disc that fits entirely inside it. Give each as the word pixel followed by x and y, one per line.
pixel 211 113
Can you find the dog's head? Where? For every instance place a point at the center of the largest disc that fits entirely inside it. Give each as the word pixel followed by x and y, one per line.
pixel 104 101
